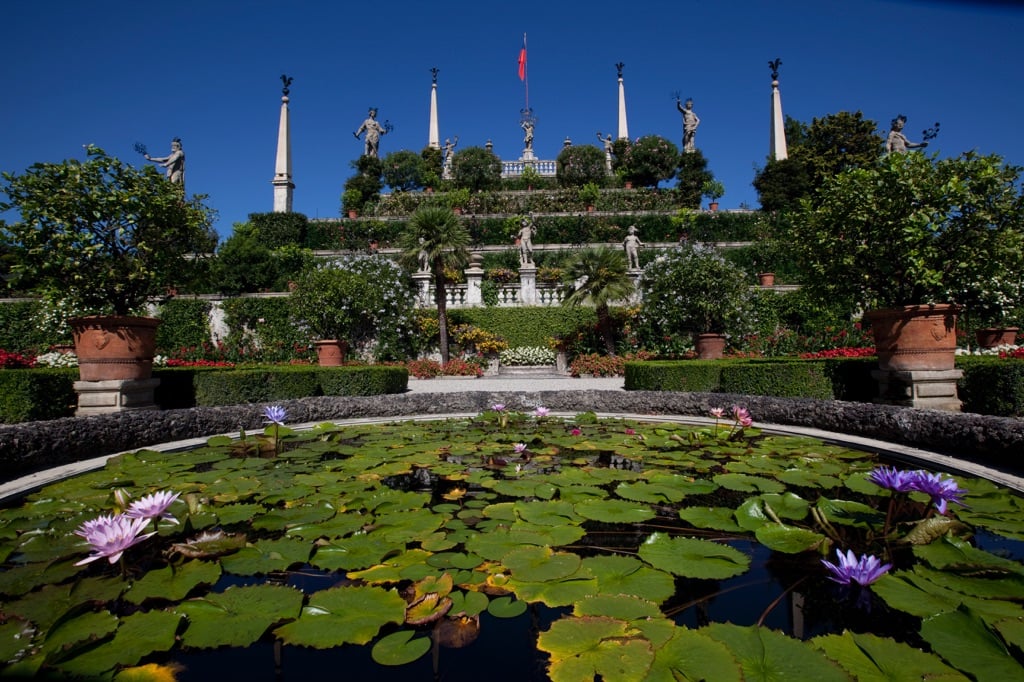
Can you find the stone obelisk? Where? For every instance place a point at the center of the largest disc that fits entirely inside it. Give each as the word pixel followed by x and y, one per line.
pixel 778 134
pixel 282 182
pixel 623 126
pixel 433 136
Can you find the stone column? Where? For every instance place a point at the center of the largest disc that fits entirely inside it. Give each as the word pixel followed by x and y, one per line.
pixel 528 285
pixel 422 280
pixel 282 182
pixel 474 277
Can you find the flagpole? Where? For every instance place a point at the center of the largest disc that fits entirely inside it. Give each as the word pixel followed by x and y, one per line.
pixel 526 74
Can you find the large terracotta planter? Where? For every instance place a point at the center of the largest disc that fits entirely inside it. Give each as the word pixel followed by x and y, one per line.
pixel 114 347
pixel 709 346
pixel 331 352
pixel 912 338
pixel 997 336
pixel 766 279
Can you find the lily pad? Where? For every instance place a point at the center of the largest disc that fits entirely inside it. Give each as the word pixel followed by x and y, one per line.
pixel 540 564
pixel 343 615
pixel 614 511
pixel 788 539
pixel 869 657
pixel 767 655
pixel 587 647
pixel 238 616
pixel 693 558
pixel 400 648
pixel 173 582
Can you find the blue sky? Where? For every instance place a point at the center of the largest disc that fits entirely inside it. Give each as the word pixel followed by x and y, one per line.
pixel 117 72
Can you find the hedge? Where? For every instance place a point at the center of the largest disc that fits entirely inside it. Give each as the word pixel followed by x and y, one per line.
pixel 531 326
pixel 991 385
pixel 781 379
pixel 698 376
pixel 37 394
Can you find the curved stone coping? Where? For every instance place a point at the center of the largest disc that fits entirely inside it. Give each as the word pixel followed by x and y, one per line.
pixel 902 453
pixel 996 443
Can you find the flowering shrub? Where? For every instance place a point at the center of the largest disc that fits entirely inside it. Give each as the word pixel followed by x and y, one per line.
pixel 461 368
pixel 476 340
pixel 598 365
pixel 527 355
pixel 55 359
pixel 841 353
pixel 501 275
pixel 423 369
pixel 10 360
pixel 550 275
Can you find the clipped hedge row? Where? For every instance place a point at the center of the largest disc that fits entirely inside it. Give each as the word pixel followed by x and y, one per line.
pixel 39 394
pixel 531 326
pixel 840 379
pixel 991 386
pixel 36 394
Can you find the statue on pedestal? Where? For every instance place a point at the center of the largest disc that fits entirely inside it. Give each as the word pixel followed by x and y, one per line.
pixel 173 162
pixel 527 126
pixel 373 130
pixel 632 245
pixel 527 229
pixel 448 151
pixel 897 141
pixel 690 123
pixel 607 142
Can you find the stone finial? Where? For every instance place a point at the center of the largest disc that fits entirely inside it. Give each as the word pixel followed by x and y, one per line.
pixel 774 66
pixel 287 81
pixel 619 68
pixel 433 72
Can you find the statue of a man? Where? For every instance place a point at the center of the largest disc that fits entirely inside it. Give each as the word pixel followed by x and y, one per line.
pixel 525 236
pixel 690 123
pixel 173 162
pixel 423 257
pixel 897 141
pixel 373 130
pixel 632 245
pixel 448 152
pixel 527 126
pixel 607 142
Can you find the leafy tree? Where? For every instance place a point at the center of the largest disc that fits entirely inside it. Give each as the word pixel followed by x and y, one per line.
pixel 693 288
pixel 476 169
pixel 432 161
pixel 914 230
pixel 280 229
pixel 828 146
pixel 650 160
pixel 692 174
pixel 602 280
pixel 367 181
pixel 107 234
pixel 244 263
pixel 579 165
pixel 403 170
pixel 444 240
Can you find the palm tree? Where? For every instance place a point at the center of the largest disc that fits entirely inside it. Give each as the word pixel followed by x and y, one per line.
pixel 437 235
pixel 598 277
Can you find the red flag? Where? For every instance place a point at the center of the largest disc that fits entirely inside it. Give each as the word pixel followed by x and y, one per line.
pixel 522 60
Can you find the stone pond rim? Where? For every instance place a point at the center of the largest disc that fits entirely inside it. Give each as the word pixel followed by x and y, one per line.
pixel 995 442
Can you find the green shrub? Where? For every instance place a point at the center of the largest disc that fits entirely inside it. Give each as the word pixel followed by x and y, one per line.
pixel 369 380
pixel 36 394
pixel 280 229
pixel 20 330
pixel 184 323
pixel 531 326
pixel 795 379
pixel 991 385
pixel 255 385
pixel 851 378
pixel 700 376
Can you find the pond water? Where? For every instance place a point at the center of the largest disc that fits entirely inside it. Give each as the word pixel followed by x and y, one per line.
pixel 514 546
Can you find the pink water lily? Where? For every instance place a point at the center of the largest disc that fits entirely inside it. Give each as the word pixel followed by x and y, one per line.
pixel 541 412
pixel 717 412
pixel 519 448
pixel 741 415
pixel 153 506
pixel 110 536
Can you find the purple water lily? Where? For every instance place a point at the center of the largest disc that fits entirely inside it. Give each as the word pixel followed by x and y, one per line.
pixel 541 412
pixel 863 570
pixel 942 490
pixel 893 479
pixel 275 414
pixel 153 506
pixel 110 536
pixel 498 407
pixel 519 448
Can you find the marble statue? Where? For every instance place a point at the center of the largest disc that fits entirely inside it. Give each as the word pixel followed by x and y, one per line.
pixel 690 123
pixel 527 126
pixel 527 229
pixel 632 245
pixel 423 256
pixel 373 130
pixel 174 162
pixel 448 151
pixel 897 141
pixel 607 142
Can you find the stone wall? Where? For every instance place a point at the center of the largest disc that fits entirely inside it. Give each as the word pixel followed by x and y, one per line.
pixel 996 442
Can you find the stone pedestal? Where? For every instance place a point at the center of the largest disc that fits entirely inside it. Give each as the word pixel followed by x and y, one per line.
pixel 528 284
pixel 474 277
pixel 422 280
pixel 933 389
pixel 104 397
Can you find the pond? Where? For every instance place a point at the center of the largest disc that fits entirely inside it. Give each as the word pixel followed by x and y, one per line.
pixel 513 546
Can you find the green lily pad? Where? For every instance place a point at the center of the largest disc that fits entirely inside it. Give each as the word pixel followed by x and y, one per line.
pixel 716 518
pixel 614 511
pixel 966 641
pixel 748 484
pixel 540 564
pixel 506 607
pixel 173 582
pixel 788 539
pixel 869 657
pixel 693 655
pixel 767 655
pixel 587 647
pixel 137 635
pixel 266 556
pixel 654 493
pixel 400 648
pixel 629 576
pixel 238 616
pixel 693 558
pixel 343 615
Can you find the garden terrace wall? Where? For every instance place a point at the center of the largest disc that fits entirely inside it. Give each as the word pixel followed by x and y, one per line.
pixel 993 441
